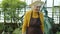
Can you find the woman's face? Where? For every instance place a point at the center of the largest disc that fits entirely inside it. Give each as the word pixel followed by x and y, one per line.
pixel 37 7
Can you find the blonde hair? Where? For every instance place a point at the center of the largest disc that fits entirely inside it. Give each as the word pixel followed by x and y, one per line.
pixel 36 3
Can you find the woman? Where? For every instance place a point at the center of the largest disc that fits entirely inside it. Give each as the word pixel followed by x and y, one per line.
pixel 33 20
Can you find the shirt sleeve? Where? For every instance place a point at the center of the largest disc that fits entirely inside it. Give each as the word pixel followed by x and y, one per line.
pixel 24 26
pixel 42 22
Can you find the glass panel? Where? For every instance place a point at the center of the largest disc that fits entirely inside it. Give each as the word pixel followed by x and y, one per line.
pixel 1 16
pixel 57 11
pixel 56 2
pixel 49 12
pixel 49 3
pixel 28 2
pixel 56 15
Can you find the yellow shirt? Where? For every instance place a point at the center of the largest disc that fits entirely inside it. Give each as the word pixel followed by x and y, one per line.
pixel 27 20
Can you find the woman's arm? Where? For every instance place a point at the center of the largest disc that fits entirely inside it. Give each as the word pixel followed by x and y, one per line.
pixel 42 20
pixel 24 24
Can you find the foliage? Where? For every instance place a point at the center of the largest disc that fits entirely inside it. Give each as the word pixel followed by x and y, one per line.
pixel 13 4
pixel 17 31
pixel 10 7
pixel 1 26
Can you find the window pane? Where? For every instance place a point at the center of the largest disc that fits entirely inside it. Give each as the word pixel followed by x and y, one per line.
pixel 28 2
pixel 49 12
pixel 49 3
pixel 56 2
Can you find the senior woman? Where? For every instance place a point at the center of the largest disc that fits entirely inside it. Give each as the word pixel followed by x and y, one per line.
pixel 33 22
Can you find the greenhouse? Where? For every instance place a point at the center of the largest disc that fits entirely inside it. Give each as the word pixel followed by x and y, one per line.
pixel 12 13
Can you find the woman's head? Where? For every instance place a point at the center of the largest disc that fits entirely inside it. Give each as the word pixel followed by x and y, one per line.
pixel 36 5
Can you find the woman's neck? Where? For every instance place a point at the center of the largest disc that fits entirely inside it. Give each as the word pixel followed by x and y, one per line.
pixel 35 11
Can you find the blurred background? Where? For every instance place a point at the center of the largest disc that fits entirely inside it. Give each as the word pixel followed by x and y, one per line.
pixel 12 14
